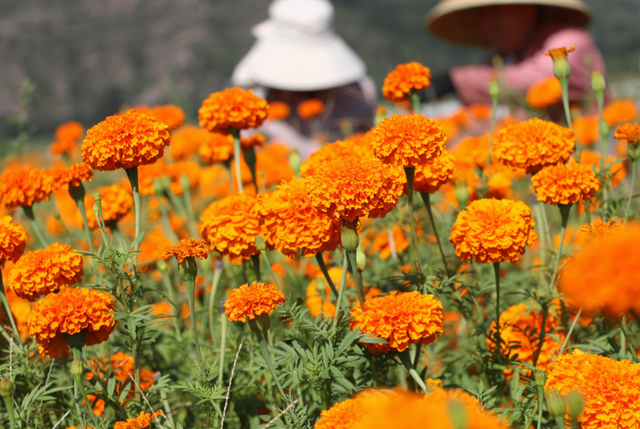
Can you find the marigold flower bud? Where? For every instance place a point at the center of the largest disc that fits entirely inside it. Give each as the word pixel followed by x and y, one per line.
pixel 350 238
pixel 188 269
pixel 76 368
pixel 96 196
pixel 295 161
pixel 361 258
pixel 574 403
pixel 77 192
pixel 494 89
pixel 159 186
pixel 162 266
pixel 633 151
pixel 6 388
pixel 462 194
pixel 561 68
pixel 555 403
pixel 597 81
pixel 540 377
pixel 260 324
pixel 260 243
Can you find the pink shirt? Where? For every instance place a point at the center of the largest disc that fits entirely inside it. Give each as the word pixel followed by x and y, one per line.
pixel 472 82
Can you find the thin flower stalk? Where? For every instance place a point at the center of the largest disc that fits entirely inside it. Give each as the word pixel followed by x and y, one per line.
pixel 236 157
pixel 28 212
pixel 426 197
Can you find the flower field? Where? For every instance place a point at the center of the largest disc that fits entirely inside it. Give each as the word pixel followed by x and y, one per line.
pixel 471 271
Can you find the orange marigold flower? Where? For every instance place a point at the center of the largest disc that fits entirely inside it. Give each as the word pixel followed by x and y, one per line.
pixel 143 421
pixel 46 270
pixel 617 172
pixel 405 78
pixel 408 141
pixel 170 115
pixel 431 176
pixel 290 223
pixel 24 186
pixel 60 147
pixel 71 311
pixel 310 108
pixel 599 228
pixel 252 301
pixel 342 415
pixel 609 388
pixel 491 230
pixel 545 93
pixel 13 240
pixel 124 141
pixel 565 184
pixel 381 245
pixel 586 129
pixel 337 149
pixel 604 274
pixel 474 149
pixel 628 132
pixel 116 203
pixel 152 248
pixel 253 140
pixel 400 318
pixel 348 188
pixel 189 248
pixel 620 111
pixel 559 53
pixel 520 327
pixel 186 140
pixel 230 225
pixel 480 111
pixel 72 130
pixel 217 148
pixel 278 111
pixel 533 144
pixel 66 177
pixel 449 127
pixel 175 171
pixel 319 301
pixel 232 108
pixel 272 165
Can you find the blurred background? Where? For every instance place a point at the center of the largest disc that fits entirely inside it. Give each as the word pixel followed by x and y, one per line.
pixel 84 59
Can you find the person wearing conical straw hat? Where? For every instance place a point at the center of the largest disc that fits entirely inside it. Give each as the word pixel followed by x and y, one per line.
pixel 519 31
pixel 298 56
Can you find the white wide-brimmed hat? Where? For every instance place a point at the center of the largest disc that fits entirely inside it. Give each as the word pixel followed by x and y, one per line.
pixel 297 49
pixel 456 20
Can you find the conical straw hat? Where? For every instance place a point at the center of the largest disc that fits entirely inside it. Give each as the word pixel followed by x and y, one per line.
pixel 456 20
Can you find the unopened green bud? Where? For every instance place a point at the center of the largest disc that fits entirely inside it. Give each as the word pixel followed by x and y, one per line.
pixel 188 269
pixel 561 68
pixel 260 244
pixel 555 403
pixel 162 266
pixel 260 324
pixel 350 238
pixel 575 404
pixel 6 388
pixel 494 89
pixel 159 186
pixel 462 194
pixel 96 196
pixel 361 258
pixel 540 377
pixel 597 81
pixel 77 192
pixel 633 151
pixel 295 161
pixel 185 183
pixel 76 368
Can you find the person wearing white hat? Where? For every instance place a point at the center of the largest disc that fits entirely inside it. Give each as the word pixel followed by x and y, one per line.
pixel 298 56
pixel 520 31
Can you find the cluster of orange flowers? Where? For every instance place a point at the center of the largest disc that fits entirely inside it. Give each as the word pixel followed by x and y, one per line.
pixel 232 108
pixel 404 79
pixel 431 176
pixel 24 187
pixel 67 137
pixel 13 240
pixel 310 108
pixel 170 115
pixel 142 421
pixel 251 301
pixel 190 248
pixel 337 149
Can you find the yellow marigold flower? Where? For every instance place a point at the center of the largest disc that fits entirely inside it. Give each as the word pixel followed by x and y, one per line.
pixel 400 318
pixel 60 147
pixel 559 53
pixel 143 421
pixel 170 115
pixel 545 93
pixel 278 111
pixel 342 415
pixel 628 132
pixel 71 311
pixel 591 160
pixel 348 188
pixel 216 148
pixel 230 225
pixel 407 141
pixel 186 140
pixel 24 186
pixel 586 129
pixel 290 223
pixel 189 248
pixel 116 203
pixel 46 270
pixel 310 108
pixel 252 301
pixel 520 328
pixel 533 145
pixel 332 151
pixel 72 130
pixel 565 184
pixel 66 177
pixel 604 274
pixel 431 176
pixel 620 111
pixel 404 79
pixel 609 388
pixel 491 230
pixel 254 140
pixel 13 240
pixel 124 141
pixel 599 228
pixel 232 108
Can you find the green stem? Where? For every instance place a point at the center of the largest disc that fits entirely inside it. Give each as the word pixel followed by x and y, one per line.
pixel 166 222
pixel 273 275
pixel 410 173
pixel 223 343
pixel 343 281
pixel 78 407
pixel 250 159
pixel 325 272
pixel 174 308
pixel 625 333
pixel 354 272
pixel 186 196
pixel 191 291
pixel 136 367
pixel 8 402
pixel 264 348
pixel 545 312
pixel 212 295
pixel 564 84
pixel 540 405
pixel 7 308
pixel 565 209
pixel 426 197
pixel 83 213
pixel 633 182
pixel 414 97
pixel 560 422
pixel 28 212
pixel 492 124
pixel 496 272
pixel 573 325
pixel 94 418
pixel 236 157
pixel 132 174
pixel 255 259
pixel 405 358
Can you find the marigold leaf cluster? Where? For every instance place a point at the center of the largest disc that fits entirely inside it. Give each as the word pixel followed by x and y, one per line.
pixel 310 108
pixel 565 184
pixel 232 108
pixel 359 149
pixel 66 177
pixel 400 318
pixel 124 141
pixel 170 115
pixel 404 79
pixel 24 186
pixel 408 141
pixel 188 248
pixel 348 188
pixel 619 111
pixel 142 421
pixel 533 145
pixel 46 270
pixel 628 132
pixel 230 225
pixel 116 203
pixel 69 312
pixel 431 176
pixel 491 231
pixel 609 388
pixel 13 240
pixel 252 301
pixel 545 93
